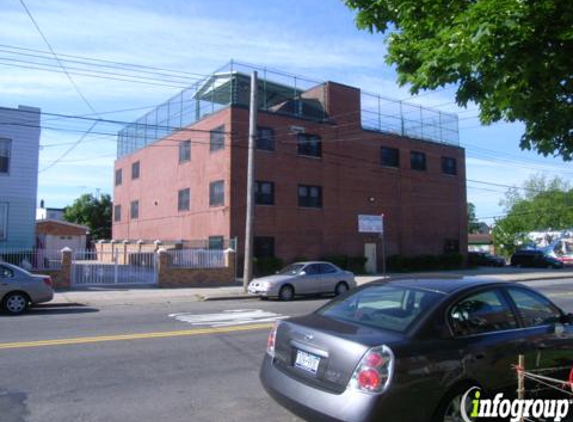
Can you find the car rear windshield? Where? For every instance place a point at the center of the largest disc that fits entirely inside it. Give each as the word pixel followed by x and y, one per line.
pixel 387 307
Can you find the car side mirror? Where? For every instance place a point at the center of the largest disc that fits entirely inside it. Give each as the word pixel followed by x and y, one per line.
pixel 302 273
pixel 566 319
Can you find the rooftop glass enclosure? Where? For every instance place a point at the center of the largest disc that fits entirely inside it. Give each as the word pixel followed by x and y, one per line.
pixel 284 94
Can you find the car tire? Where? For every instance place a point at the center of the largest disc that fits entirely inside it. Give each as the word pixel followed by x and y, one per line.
pixel 341 288
pixel 286 293
pixel 15 303
pixel 449 408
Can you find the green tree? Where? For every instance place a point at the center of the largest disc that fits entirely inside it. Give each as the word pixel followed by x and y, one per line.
pixel 511 57
pixel 92 212
pixel 473 223
pixel 542 204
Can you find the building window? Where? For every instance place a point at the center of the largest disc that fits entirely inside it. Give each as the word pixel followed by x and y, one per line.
pixel 117 213
pixel 118 177
pixel 217 193
pixel 184 151
pixel 451 246
pixel 264 193
pixel 309 145
pixel 310 196
pixel 135 170
pixel 134 210
pixel 390 157
pixel 217 138
pixel 449 166
pixel 418 161
pixel 216 242
pixel 184 199
pixel 3 221
pixel 265 138
pixel 264 247
pixel 5 153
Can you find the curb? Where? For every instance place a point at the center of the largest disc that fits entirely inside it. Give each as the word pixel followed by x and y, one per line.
pixel 221 298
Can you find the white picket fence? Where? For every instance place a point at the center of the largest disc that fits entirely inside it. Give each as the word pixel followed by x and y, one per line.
pixel 197 258
pixel 32 259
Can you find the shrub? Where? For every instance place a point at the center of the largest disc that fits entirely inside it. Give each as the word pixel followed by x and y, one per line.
pixel 267 266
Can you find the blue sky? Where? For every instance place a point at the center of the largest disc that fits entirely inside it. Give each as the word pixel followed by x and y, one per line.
pixel 315 38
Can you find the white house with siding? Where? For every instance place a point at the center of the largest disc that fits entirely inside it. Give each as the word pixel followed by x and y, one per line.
pixel 19 150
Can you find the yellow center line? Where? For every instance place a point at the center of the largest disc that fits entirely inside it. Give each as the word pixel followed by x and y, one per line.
pixel 139 336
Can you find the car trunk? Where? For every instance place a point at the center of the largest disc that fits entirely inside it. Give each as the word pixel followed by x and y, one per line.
pixel 324 352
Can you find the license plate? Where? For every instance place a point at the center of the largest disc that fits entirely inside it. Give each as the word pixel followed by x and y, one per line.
pixel 307 361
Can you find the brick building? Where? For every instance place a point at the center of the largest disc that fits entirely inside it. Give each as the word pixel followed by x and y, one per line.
pixel 326 153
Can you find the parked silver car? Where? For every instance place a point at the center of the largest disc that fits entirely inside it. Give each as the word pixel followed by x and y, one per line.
pixel 19 289
pixel 303 278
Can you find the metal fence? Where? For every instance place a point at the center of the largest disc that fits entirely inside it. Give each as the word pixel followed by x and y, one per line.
pixel 197 258
pixel 393 116
pixel 33 259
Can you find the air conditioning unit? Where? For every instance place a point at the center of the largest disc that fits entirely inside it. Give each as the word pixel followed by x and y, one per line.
pixel 297 129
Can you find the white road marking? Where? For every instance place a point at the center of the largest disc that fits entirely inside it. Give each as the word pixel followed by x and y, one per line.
pixel 229 318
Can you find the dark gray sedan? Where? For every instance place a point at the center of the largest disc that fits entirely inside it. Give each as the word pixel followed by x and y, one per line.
pixel 409 350
pixel 19 289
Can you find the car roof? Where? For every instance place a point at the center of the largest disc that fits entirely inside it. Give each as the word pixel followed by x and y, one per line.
pixel 12 266
pixel 311 262
pixel 442 285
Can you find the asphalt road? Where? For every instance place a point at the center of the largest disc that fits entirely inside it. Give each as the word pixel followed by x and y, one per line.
pixel 178 362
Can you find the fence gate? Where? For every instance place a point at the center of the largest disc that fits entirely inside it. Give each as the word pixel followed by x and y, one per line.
pixel 113 268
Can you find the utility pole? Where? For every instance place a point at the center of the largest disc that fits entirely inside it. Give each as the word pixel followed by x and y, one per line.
pixel 248 265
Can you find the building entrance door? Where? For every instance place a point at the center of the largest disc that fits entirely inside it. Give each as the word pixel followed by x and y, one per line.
pixel 370 255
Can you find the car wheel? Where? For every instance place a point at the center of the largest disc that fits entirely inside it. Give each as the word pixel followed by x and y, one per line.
pixel 286 293
pixel 15 303
pixel 341 288
pixel 450 408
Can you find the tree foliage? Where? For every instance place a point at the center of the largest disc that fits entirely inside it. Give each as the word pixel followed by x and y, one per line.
pixel 92 212
pixel 542 204
pixel 473 223
pixel 511 57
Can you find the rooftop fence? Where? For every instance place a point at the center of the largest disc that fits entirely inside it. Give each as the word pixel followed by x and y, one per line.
pixel 279 93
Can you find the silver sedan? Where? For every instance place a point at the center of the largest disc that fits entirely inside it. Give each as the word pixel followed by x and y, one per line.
pixel 19 289
pixel 303 278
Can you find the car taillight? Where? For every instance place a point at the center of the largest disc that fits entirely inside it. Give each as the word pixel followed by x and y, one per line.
pixel 48 281
pixel 374 372
pixel 271 340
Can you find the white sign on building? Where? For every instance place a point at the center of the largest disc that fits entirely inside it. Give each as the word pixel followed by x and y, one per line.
pixel 371 223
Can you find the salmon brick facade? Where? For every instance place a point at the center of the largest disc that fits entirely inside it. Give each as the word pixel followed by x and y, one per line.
pixel 314 177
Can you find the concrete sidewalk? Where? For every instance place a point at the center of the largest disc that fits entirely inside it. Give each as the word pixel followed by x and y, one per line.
pixel 133 295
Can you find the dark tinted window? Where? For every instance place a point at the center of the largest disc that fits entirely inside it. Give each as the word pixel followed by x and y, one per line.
pixel 390 157
pixel 264 193
pixel 449 166
pixel 393 308
pixel 309 145
pixel 309 196
pixel 117 213
pixel 312 269
pixel 217 193
pixel 264 246
pixel 534 309
pixel 327 269
pixel 135 170
pixel 482 312
pixel 217 138
pixel 184 151
pixel 418 160
pixel 216 242
pixel 118 177
pixel 134 209
pixel 5 153
pixel 265 138
pixel 184 199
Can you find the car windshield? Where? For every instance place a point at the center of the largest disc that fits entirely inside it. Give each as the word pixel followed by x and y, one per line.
pixel 292 269
pixel 394 308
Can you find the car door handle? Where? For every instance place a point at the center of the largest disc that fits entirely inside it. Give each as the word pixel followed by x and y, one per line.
pixel 3 284
pixel 479 356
